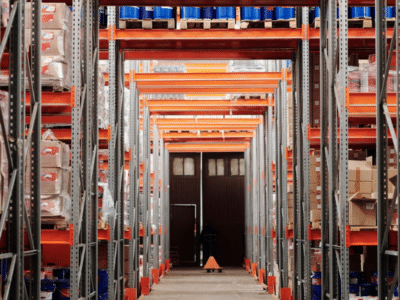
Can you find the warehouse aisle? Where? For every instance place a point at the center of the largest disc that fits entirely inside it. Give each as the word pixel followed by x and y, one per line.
pixel 196 284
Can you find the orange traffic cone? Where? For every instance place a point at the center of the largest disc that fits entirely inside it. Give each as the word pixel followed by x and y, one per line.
pixel 212 265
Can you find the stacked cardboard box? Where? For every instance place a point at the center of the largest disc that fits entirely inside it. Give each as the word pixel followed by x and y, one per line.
pixel 363 192
pixel 55 181
pixel 56 44
pixel 315 189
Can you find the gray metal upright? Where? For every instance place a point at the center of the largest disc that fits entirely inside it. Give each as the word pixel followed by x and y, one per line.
pixel 162 202
pixel 134 187
pixel 15 206
pixel 247 204
pixel 386 129
pixel 146 193
pixel 334 159
pixel 261 189
pixel 254 200
pixel 156 198
pixel 116 162
pixel 33 224
pixel 301 170
pixel 84 145
pixel 167 207
pixel 269 189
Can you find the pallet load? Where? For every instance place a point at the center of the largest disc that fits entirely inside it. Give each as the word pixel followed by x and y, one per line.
pixel 207 17
pixel 55 181
pixel 315 190
pixel 146 17
pixel 363 193
pixel 56 45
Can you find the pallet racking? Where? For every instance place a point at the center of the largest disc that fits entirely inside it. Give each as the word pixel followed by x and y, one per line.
pixel 118 45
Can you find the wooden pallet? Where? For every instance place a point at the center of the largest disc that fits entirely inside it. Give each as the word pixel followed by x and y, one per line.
pixel 59 223
pixel 353 23
pixel 363 228
pixel 147 24
pixel 206 24
pixel 268 24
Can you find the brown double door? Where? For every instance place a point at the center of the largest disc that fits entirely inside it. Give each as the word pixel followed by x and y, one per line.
pixel 223 206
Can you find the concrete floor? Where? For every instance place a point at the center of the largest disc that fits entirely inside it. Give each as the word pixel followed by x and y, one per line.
pixel 196 284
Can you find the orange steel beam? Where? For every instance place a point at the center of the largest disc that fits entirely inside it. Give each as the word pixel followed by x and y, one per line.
pixel 207 103
pixel 214 147
pixel 226 111
pixel 212 121
pixel 215 35
pixel 218 136
pixel 54 99
pixel 206 90
pixel 272 83
pixel 65 134
pixel 104 157
pixel 189 77
pixel 357 136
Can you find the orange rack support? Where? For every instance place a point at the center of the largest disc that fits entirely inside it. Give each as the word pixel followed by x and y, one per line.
pixel 271 282
pixel 314 234
pixel 130 294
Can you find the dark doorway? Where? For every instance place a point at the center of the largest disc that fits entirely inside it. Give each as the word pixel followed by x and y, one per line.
pixel 183 239
pixel 184 191
pixel 223 190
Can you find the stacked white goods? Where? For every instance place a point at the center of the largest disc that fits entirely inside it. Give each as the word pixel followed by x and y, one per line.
pixel 56 44
pixel 102 103
pixel 160 67
pixel 55 179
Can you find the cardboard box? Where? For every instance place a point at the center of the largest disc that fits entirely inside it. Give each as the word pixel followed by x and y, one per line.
pixel 315 188
pixel 54 181
pixel 362 212
pixel 54 154
pixel 54 16
pixel 315 197
pixel 361 170
pixel 56 43
pixel 315 215
pixel 290 216
pixel 361 187
pixel 315 160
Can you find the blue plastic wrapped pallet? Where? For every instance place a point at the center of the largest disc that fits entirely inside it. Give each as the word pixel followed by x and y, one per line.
pixel 129 13
pixel 357 277
pixel 102 282
pixel 284 13
pixel 163 12
pixel 190 12
pixel 315 12
pixel 222 13
pixel 103 16
pixel 147 12
pixel 267 13
pixel 209 13
pixel 316 292
pixel 250 13
pixel 62 289
pixel 359 12
pixel 390 12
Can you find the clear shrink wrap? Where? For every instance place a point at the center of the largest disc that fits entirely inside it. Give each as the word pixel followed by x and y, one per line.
pixel 106 207
pixel 54 16
pixel 102 102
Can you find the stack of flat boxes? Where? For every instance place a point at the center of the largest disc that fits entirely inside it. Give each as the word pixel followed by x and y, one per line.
pixel 55 180
pixel 363 192
pixel 56 44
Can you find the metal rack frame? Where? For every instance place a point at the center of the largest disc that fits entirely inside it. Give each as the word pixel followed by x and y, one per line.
pixel 116 244
pixel 384 125
pixel 301 170
pixel 334 155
